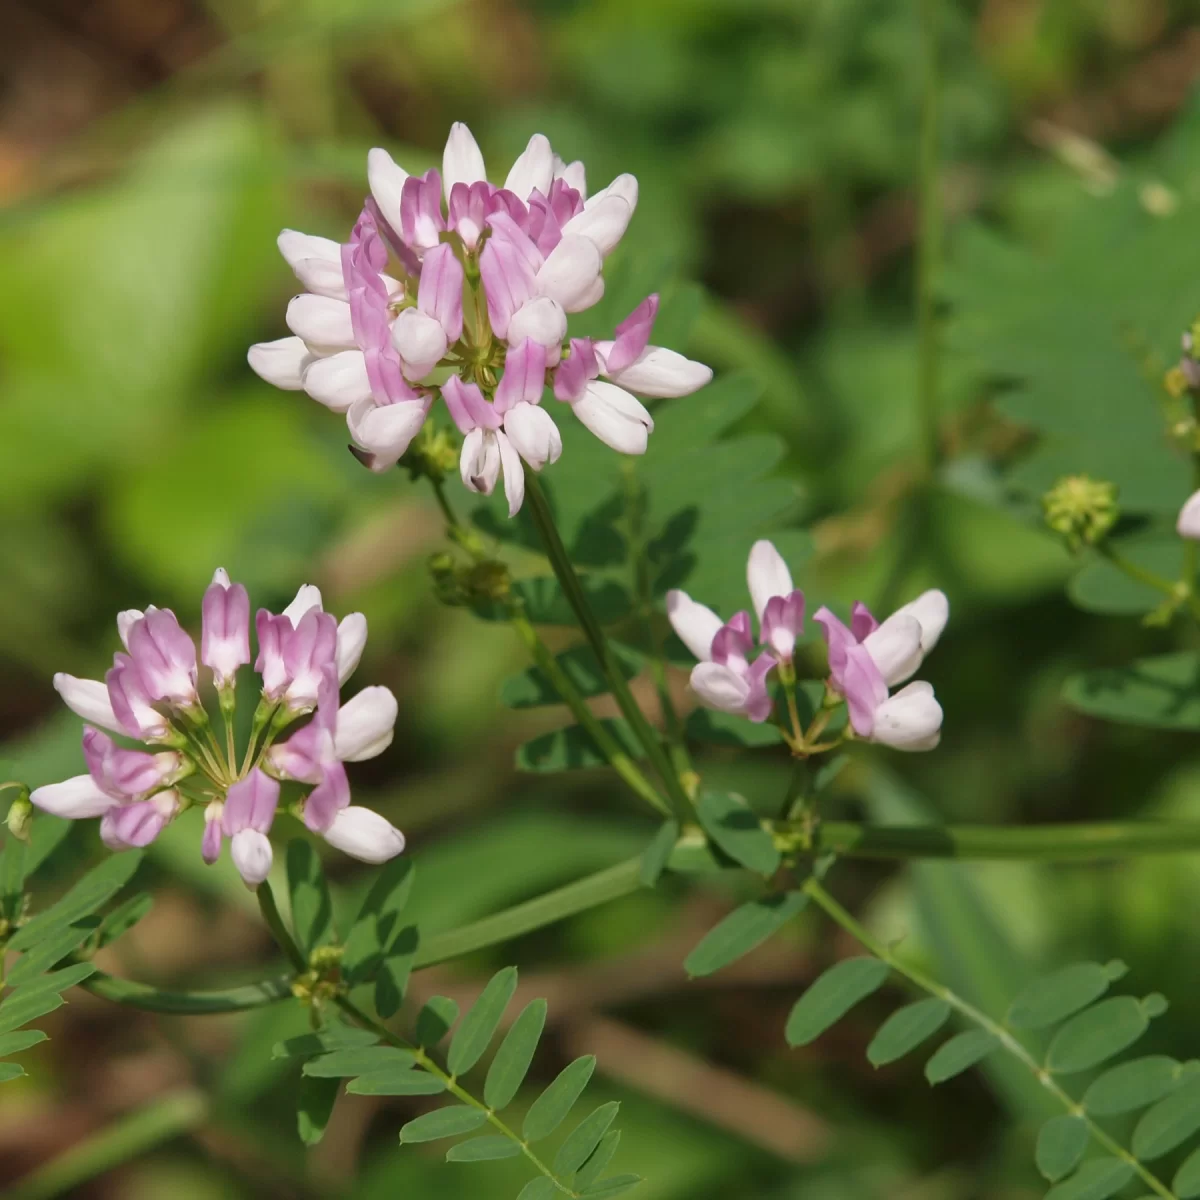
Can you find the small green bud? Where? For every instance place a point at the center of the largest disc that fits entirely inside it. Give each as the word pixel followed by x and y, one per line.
pixel 20 815
pixel 1081 509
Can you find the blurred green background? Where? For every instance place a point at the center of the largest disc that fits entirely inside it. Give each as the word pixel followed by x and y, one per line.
pixel 150 150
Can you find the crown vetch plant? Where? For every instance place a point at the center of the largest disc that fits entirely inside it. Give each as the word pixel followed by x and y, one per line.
pixel 450 287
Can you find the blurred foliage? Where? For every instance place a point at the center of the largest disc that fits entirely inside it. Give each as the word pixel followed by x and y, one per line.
pixel 775 144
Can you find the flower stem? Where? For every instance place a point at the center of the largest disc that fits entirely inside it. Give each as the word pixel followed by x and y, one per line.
pixel 577 598
pixel 270 912
pixel 929 236
pixel 151 999
pixel 977 1017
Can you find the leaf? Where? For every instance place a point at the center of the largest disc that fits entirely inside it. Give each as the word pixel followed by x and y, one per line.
pixel 1186 1184
pixel 658 852
pixel 959 1054
pixel 483 1018
pixel 614 1185
pixel 336 1037
pixel 96 887
pixel 377 926
pixel 599 1160
pixel 451 1121
pixel 358 1060
pixel 1133 1085
pixel 545 603
pixel 742 931
pixel 23 1005
pixel 434 1020
pixel 832 995
pixel 532 688
pixel 484 1149
pixel 314 1107
pixel 550 1109
pixel 60 980
pixel 10 1070
pixel 584 1138
pixel 540 1188
pixel 13 869
pixel 55 947
pixel 1097 1179
pixel 511 1064
pixel 1161 692
pixel 1055 997
pixel 572 748
pixel 312 906
pixel 906 1029
pixel 123 918
pixel 1060 1145
pixel 22 1039
pixel 734 827
pixel 392 981
pixel 730 729
pixel 1171 1121
pixel 1098 1033
pixel 396 1081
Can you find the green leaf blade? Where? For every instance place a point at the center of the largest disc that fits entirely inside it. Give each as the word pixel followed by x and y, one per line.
pixel 599 1160
pixel 550 1109
pixel 615 1185
pixel 312 906
pixel 960 1054
pixel 99 885
pixel 1133 1085
pixel 1060 1146
pixel 314 1107
pixel 1186 1184
pixel 734 827
pixel 451 1121
pixel 656 854
pixel 513 1059
pixel 363 1060
pixel 1168 1124
pixel 743 930
pixel 397 1082
pixel 1097 1179
pixel 906 1029
pixel 1098 1033
pixel 584 1138
pixel 832 995
pixel 487 1148
pixel 478 1027
pixel 1056 996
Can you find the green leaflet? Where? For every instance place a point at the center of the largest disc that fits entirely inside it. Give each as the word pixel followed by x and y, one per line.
pixel 1100 1032
pixel 1054 997
pixel 1097 1179
pixel 1133 1085
pixel 312 906
pixel 314 1107
pixel 434 1020
pixel 445 1122
pixel 540 1188
pixel 959 1054
pixel 729 729
pixel 532 689
pixel 92 891
pixel 396 1081
pixel 656 854
pixel 10 1070
pixel 486 1148
pixel 1162 692
pixel 584 1138
pixel 735 828
pixel 1186 1184
pixel 572 748
pixel 1060 1146
pixel 336 1037
pixel 358 1060
pixel 832 995
pixel 614 1185
pixel 511 1064
pixel 550 1109
pixel 22 1039
pixel 55 947
pixel 482 1020
pixel 599 1160
pixel 1169 1123
pixel 906 1029
pixel 25 1005
pixel 377 927
pixel 392 980
pixel 123 918
pixel 742 930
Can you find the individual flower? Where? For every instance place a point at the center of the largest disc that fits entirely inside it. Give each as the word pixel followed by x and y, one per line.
pixel 867 659
pixel 151 694
pixel 1188 524
pixel 452 286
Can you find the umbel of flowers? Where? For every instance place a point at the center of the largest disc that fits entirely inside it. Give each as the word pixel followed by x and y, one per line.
pixel 452 286
pixel 300 732
pixel 867 658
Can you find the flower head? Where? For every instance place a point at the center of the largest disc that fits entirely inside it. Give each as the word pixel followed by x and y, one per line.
pixel 151 694
pixel 452 286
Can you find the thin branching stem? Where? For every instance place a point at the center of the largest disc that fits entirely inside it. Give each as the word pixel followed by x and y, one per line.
pixel 929 238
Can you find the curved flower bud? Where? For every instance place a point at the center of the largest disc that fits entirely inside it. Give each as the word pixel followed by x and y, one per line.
pixel 210 843
pixel 338 381
pixel 351 641
pixel 89 699
pixel 386 181
pixel 252 856
pixel 615 417
pixel 658 372
pixel 932 611
pixel 603 223
pixel 127 774
pixel 307 652
pixel 308 597
pixel 767 575
pixel 165 657
pixel 570 273
pixel 524 375
pixel 280 363
pixel 895 647
pixel 132 826
pixel 385 431
pixel 533 433
pixel 694 624
pixel 273 633
pixel 317 262
pixel 75 798
pixel 541 320
pixel 533 170
pixel 364 835
pixel 462 160
pixel 225 628
pixel 247 815
pixel 441 290
pixel 131 701
pixel 624 186
pixel 419 340
pixel 909 720
pixel 421 219
pixel 323 323
pixel 365 725
pixel 508 280
pixel 735 688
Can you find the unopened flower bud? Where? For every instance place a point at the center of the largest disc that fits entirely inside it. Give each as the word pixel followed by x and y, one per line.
pixel 20 815
pixel 1081 509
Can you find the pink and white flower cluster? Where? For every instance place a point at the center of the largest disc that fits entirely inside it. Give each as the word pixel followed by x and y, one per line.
pixel 151 695
pixel 471 303
pixel 866 659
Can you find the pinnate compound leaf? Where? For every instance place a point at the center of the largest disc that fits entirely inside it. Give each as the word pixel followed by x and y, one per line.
pixel 435 1019
pixel 1100 1032
pixel 743 930
pixel 1161 692
pixel 833 995
pixel 959 1054
pixel 906 1029
pixel 1186 1184
pixel 550 1109
pixel 1056 996
pixel 359 1060
pixel 599 1160
pixel 56 946
pixel 314 1107
pixel 614 1185
pixel 1097 1179
pixel 511 1064
pixel 1169 1123
pixel 392 981
pixel 1060 1145
pixel 735 828
pixel 443 1122
pixel 98 886
pixel 312 906
pixel 584 1138
pixel 10 1070
pixel 1134 1085
pixel 396 1081
pixel 483 1018
pixel 656 855
pixel 572 748
pixel 484 1149
pixel 21 1039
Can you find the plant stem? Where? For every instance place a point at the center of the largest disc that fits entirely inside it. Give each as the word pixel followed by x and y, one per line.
pixel 929 204
pixel 270 912
pixel 577 597
pixel 151 999
pixel 1139 573
pixel 165 1117
pixel 977 1017
pixel 605 742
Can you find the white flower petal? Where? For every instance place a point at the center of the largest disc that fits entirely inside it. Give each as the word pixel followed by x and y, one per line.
pixel 281 362
pixel 74 798
pixel 932 610
pixel 659 372
pixel 895 647
pixel 909 720
pixel 351 641
pixel 338 381
pixel 695 624
pixel 88 698
pixel 570 273
pixel 306 599
pixel 534 169
pixel 615 417
pixel 364 835
pixel 386 180
pixel 322 322
pixel 720 687
pixel 603 223
pixel 462 161
pixel 541 319
pixel 317 262
pixel 420 341
pixel 365 725
pixel 767 575
pixel 252 855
